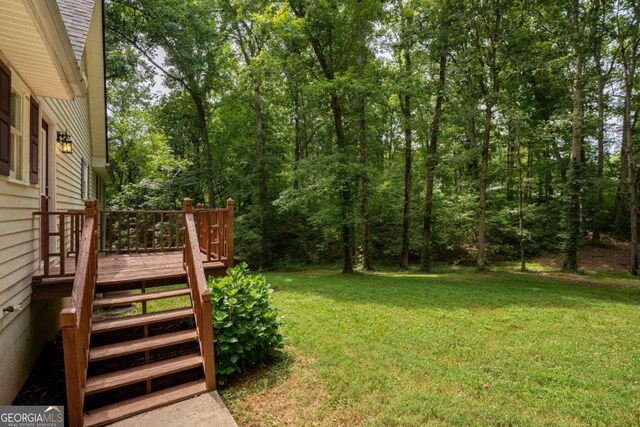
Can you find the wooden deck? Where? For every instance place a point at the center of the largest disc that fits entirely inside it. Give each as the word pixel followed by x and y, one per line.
pixel 122 272
pixel 89 256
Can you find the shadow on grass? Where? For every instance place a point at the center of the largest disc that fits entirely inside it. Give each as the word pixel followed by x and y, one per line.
pixel 260 377
pixel 449 289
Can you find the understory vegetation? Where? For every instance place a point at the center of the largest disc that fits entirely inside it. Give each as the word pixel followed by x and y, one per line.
pixel 245 324
pixel 372 133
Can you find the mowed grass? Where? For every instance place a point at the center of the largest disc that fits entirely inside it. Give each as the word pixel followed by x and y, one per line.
pixel 455 348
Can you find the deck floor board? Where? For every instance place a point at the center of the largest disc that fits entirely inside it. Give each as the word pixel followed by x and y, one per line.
pixel 154 268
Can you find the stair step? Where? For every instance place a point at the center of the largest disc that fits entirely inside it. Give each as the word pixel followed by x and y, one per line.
pixel 141 320
pixel 135 346
pixel 141 373
pixel 138 405
pixel 132 299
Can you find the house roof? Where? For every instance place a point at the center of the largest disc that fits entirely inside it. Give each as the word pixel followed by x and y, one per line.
pixel 35 43
pixel 76 15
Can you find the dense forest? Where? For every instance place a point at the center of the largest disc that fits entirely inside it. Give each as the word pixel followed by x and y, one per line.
pixel 372 132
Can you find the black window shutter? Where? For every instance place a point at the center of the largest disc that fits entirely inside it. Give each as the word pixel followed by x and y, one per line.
pixel 34 131
pixel 5 119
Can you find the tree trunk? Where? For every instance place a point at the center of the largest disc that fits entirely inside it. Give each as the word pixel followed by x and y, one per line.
pixel 406 210
pixel 597 213
pixel 633 196
pixel 597 57
pixel 204 134
pixel 472 165
pixel 523 261
pixel 618 207
pixel 364 179
pixel 431 163
pixel 263 196
pixel 297 151
pixel 363 138
pixel 482 202
pixel 575 159
pixel 364 190
pixel 629 68
pixel 345 187
pixel 558 155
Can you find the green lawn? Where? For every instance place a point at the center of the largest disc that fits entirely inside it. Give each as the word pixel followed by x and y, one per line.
pixel 456 348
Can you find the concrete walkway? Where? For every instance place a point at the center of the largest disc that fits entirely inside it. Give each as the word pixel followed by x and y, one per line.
pixel 204 410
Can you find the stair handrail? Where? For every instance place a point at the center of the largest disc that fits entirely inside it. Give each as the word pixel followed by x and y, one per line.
pixel 75 320
pixel 200 295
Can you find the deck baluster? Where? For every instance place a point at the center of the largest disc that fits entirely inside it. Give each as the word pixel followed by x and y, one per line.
pixel 229 233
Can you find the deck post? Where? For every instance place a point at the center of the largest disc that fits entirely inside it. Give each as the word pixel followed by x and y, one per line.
pixel 188 209
pixel 44 223
pixel 229 236
pixel 72 367
pixel 91 211
pixel 62 233
pixel 207 347
pixel 188 206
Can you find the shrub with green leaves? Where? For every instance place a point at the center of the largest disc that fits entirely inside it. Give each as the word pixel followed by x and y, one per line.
pixel 245 325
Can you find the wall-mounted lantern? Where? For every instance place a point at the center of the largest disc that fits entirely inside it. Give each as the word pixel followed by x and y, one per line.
pixel 66 145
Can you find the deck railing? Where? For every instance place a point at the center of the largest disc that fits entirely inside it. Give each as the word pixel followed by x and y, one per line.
pixel 140 231
pixel 75 320
pixel 135 231
pixel 215 233
pixel 200 295
pixel 62 241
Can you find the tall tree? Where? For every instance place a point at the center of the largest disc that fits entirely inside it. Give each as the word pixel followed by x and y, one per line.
pixel 445 22
pixel 321 20
pixel 406 45
pixel 599 29
pixel 575 159
pixel 183 33
pixel 491 26
pixel 250 38
pixel 628 33
pixel 363 16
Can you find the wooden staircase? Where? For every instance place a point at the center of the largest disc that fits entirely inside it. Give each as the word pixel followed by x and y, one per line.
pixel 143 341
pixel 117 367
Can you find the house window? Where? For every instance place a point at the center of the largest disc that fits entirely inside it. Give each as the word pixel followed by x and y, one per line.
pixel 19 126
pixel 17 129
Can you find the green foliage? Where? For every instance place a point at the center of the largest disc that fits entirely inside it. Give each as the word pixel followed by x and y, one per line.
pixel 245 325
pixel 296 196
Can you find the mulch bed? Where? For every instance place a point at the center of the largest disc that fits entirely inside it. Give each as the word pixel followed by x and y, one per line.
pixel 45 385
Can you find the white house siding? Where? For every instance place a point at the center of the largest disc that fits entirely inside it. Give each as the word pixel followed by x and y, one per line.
pixel 20 338
pixel 19 245
pixel 23 333
pixel 72 116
